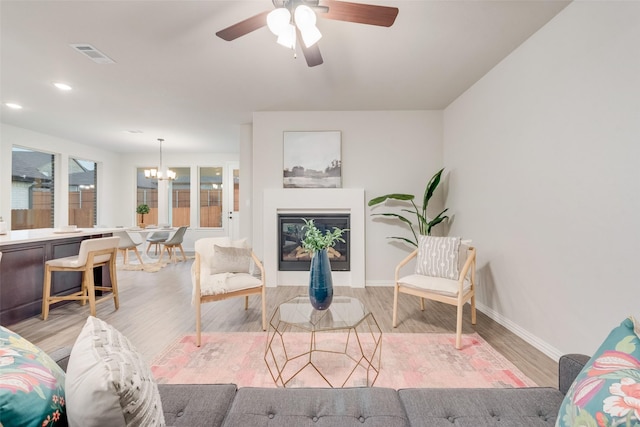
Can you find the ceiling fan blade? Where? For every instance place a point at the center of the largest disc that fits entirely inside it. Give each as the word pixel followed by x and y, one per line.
pixel 311 54
pixel 383 16
pixel 244 27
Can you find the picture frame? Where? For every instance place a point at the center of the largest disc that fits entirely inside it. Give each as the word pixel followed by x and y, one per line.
pixel 312 159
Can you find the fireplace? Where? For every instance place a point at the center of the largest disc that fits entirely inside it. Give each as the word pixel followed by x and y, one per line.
pixel 291 256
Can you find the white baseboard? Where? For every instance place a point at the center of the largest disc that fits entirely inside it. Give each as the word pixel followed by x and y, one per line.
pixel 377 283
pixel 541 345
pixel 531 339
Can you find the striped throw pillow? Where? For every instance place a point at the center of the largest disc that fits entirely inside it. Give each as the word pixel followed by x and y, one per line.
pixel 438 257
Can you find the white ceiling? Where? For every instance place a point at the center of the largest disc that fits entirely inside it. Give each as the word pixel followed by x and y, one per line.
pixel 174 79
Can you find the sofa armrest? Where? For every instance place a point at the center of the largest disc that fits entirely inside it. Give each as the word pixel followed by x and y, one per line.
pixel 569 366
pixel 61 357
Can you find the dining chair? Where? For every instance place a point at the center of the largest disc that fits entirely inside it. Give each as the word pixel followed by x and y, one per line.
pixel 445 272
pixel 155 239
pixel 127 244
pixel 172 244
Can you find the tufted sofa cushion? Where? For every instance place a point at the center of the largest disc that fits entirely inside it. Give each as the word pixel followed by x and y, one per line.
pixel 531 407
pixel 196 404
pixel 348 407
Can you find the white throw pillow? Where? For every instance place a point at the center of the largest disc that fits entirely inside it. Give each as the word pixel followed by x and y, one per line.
pixel 230 260
pixel 438 257
pixel 108 383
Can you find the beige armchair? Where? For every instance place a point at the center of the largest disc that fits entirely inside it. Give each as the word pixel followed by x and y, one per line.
pixel 445 272
pixel 222 270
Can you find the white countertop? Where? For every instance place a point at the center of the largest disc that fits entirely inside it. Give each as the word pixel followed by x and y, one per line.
pixel 40 234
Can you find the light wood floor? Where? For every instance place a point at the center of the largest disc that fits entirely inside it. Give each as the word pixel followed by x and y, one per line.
pixel 155 309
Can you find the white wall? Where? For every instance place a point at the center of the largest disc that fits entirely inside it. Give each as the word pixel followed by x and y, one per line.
pixel 543 153
pixel 108 166
pixel 382 152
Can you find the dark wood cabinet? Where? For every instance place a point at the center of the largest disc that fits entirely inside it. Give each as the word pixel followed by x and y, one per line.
pixel 22 276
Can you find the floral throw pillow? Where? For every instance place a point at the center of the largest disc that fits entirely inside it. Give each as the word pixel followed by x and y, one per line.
pixel 31 385
pixel 607 390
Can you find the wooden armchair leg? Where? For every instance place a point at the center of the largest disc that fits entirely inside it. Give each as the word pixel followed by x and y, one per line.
pixel 198 322
pixel 264 311
pixel 395 306
pixel 246 302
pixel 473 310
pixel 459 327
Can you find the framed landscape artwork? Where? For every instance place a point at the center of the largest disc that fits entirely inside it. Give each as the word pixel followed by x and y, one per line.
pixel 312 160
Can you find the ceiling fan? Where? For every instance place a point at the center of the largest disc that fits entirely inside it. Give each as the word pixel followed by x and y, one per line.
pixel 293 20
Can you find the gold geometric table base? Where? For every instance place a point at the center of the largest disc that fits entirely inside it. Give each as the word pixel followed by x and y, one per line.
pixel 334 353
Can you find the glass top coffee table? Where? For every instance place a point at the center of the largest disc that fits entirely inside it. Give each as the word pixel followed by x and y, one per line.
pixel 337 347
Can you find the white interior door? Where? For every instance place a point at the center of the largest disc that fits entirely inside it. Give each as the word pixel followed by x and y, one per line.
pixel 233 211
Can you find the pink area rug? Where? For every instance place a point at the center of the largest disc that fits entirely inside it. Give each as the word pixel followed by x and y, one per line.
pixel 407 360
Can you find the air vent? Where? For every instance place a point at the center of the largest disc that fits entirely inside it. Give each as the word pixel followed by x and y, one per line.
pixel 94 54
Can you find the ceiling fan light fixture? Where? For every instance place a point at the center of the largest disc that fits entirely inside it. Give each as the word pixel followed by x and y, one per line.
pixel 306 20
pixel 278 19
pixel 310 35
pixel 304 16
pixel 287 37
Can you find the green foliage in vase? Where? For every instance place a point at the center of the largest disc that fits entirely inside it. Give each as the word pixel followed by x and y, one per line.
pixel 425 224
pixel 314 240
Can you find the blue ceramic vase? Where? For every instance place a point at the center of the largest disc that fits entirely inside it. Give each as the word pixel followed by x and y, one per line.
pixel 320 281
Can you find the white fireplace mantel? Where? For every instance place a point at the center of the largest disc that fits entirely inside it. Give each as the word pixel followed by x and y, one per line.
pixel 315 200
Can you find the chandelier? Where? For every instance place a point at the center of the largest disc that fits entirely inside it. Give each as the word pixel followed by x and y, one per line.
pixel 160 174
pixel 281 23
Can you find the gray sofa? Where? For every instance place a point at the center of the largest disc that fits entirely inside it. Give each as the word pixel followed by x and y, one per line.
pixel 226 405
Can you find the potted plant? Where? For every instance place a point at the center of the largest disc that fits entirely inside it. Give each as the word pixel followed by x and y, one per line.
pixel 320 280
pixel 142 209
pixel 425 224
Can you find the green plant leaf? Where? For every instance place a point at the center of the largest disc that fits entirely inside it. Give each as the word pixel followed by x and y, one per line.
pixel 437 220
pixel 423 224
pixel 314 240
pixel 431 188
pixel 394 215
pixel 396 196
pixel 440 216
pixel 404 239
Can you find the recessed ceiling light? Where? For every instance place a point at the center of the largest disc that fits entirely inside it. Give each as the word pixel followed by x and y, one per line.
pixel 134 131
pixel 13 105
pixel 62 86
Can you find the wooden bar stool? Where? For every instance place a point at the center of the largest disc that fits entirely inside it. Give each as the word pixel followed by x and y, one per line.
pixel 93 253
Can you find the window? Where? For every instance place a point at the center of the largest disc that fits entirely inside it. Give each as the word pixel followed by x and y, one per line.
pixel 147 194
pixel 211 197
pixel 32 195
pixel 82 193
pixel 180 197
